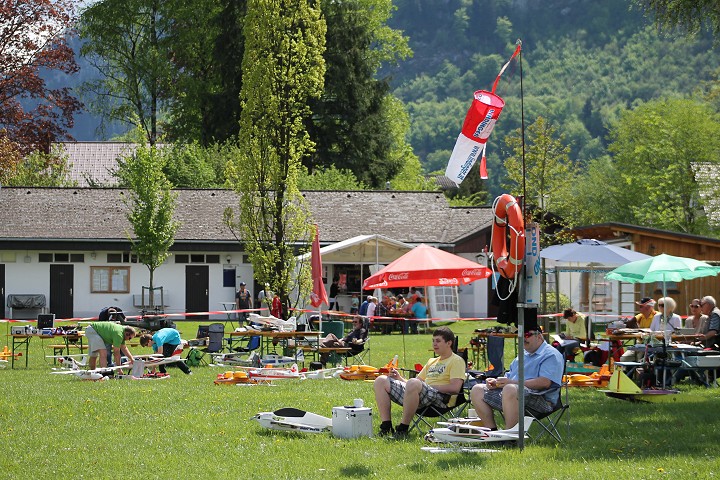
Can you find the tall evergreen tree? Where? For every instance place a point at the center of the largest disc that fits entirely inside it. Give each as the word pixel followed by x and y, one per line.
pixel 283 70
pixel 351 121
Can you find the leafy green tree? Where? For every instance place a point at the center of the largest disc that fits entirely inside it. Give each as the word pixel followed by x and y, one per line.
pixel 123 40
pixel 329 178
pixel 207 46
pixel 191 165
pixel 548 170
pixel 694 15
pixel 350 121
pixel 283 70
pixel 654 147
pixel 36 169
pixel 150 204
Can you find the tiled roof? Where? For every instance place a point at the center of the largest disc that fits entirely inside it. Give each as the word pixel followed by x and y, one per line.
pixel 88 214
pixel 92 162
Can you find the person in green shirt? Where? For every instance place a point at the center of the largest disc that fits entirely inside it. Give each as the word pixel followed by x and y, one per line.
pixel 575 326
pixel 100 334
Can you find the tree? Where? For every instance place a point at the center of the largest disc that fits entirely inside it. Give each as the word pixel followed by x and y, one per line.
pixel 548 170
pixel 283 70
pixel 329 178
pixel 123 40
pixel 33 40
pixel 655 146
pixel 151 204
pixel 207 44
pixel 351 120
pixel 694 15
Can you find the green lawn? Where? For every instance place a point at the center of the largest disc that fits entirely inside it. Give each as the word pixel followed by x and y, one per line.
pixel 55 426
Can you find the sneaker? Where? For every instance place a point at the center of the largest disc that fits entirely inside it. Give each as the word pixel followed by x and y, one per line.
pixel 386 433
pixel 400 435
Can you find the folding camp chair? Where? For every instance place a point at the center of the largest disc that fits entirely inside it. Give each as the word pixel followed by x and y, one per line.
pixel 216 332
pixel 252 344
pixel 360 351
pixel 457 403
pixel 550 421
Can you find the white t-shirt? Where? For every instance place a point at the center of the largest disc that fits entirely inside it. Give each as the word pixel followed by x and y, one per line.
pixel 371 309
pixel 673 322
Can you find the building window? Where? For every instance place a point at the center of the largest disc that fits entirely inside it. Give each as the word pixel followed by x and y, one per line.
pixel 77 257
pixel 229 276
pixel 184 258
pixel 110 279
pixel 45 257
pixel 125 257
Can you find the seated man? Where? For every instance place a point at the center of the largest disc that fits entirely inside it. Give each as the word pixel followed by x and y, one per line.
pixel 709 307
pixel 355 340
pixel 440 378
pixel 543 371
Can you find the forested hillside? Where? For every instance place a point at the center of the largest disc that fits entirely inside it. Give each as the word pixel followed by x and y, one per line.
pixel 584 62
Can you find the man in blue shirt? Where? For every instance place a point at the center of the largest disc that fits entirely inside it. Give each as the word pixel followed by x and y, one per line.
pixel 167 340
pixel 364 306
pixel 543 375
pixel 419 312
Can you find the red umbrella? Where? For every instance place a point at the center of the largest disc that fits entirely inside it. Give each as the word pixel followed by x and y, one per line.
pixel 427 266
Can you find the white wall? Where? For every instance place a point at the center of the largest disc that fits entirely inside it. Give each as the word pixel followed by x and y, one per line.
pixel 34 278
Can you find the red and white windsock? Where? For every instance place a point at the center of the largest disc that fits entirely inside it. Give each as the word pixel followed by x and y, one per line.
pixel 477 127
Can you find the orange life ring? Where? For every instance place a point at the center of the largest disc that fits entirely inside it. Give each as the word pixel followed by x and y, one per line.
pixel 507 211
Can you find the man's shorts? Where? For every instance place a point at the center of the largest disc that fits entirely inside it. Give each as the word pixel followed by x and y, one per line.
pixel 533 400
pixel 428 395
pixel 95 341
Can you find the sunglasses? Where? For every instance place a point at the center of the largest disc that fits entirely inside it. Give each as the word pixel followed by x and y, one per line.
pixel 694 306
pixel 660 304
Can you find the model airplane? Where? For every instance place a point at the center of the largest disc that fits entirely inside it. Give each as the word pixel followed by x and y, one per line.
pixel 271 373
pixel 366 372
pixel 235 378
pixel 288 325
pixel 294 420
pixel 137 368
pixel 466 430
pixel 322 374
pixel 235 359
pixel 622 387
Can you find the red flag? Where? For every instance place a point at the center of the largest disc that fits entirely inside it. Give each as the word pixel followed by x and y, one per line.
pixel 318 296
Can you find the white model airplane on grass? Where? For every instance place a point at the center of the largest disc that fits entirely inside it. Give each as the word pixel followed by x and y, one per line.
pixel 137 368
pixel 235 359
pixel 464 431
pixel 322 374
pixel 294 420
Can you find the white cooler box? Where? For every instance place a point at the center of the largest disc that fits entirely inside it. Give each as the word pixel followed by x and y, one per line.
pixel 352 422
pixel 703 360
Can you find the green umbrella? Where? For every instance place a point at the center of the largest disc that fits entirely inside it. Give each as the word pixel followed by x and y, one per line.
pixel 662 268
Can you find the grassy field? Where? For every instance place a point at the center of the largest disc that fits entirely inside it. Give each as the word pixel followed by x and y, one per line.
pixel 55 426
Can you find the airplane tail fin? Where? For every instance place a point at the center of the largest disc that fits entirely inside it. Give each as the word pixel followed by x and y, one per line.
pixel 516 428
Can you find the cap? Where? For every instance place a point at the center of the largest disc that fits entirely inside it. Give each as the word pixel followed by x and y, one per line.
pixel 646 301
pixel 400 296
pixel 242 284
